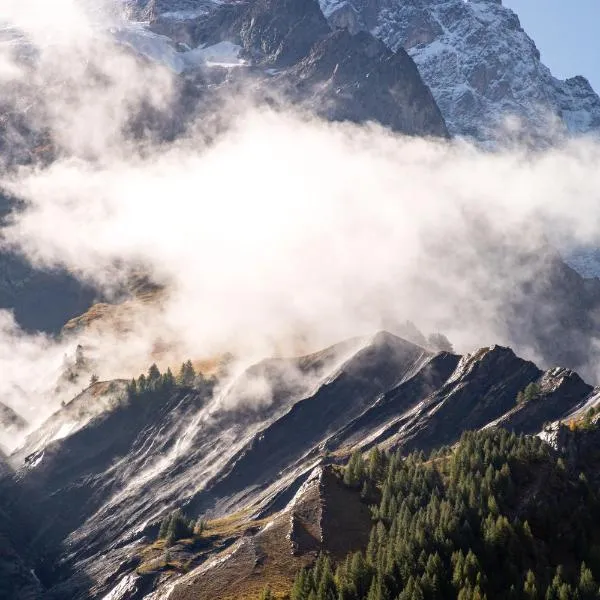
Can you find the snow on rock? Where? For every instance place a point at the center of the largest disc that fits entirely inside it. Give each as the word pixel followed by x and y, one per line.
pixel 223 54
pixel 160 49
pixel 157 48
pixel 479 63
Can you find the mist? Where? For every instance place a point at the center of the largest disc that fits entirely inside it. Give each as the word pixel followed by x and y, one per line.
pixel 278 234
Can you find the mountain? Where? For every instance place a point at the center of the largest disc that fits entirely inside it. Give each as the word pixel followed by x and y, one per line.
pixel 287 45
pixel 237 451
pixel 479 63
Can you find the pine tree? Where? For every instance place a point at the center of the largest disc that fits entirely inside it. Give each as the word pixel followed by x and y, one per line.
pixel 353 473
pixel 375 464
pixel 588 588
pixel 267 594
pixel 132 388
pixel 530 586
pixel 187 374
pixel 302 586
pixel 199 526
pixel 164 527
pixel 531 392
pixel 153 374
pixel 168 381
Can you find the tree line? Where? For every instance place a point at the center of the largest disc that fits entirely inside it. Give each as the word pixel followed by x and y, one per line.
pixel 155 381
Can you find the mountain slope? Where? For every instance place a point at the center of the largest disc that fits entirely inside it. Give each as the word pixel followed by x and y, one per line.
pixel 289 46
pixel 246 446
pixel 17 580
pixel 479 63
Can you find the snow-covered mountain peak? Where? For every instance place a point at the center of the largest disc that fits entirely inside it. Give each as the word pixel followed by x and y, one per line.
pixel 480 64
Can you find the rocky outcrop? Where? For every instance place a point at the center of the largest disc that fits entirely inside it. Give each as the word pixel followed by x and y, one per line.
pixel 323 516
pixel 480 64
pixel 561 392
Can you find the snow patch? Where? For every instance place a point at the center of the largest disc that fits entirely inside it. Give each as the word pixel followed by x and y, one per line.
pixel 157 48
pixel 223 54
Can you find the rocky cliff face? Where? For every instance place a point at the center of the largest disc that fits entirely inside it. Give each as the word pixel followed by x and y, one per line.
pixel 480 64
pixel 247 448
pixel 290 47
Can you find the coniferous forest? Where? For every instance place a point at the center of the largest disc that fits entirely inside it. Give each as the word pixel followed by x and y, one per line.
pixel 497 516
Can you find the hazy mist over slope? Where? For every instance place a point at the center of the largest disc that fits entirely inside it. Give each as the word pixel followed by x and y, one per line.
pixel 277 228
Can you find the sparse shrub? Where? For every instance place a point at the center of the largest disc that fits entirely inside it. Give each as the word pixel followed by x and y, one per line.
pixel 531 392
pixel 176 526
pixel 199 526
pixel 267 594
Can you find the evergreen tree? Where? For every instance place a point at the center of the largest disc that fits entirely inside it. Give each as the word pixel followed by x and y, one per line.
pixel 132 388
pixel 456 527
pixel 353 473
pixel 168 381
pixel 267 594
pixel 153 375
pixel 530 587
pixel 588 588
pixel 531 392
pixel 187 375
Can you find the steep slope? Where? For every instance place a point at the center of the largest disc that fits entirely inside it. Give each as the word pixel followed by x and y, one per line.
pixel 246 445
pixel 17 580
pixel 289 47
pixel 322 515
pixel 478 62
pixel 560 396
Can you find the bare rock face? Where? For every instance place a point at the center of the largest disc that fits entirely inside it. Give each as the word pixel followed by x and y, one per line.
pixel 478 62
pixel 560 392
pixel 338 75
